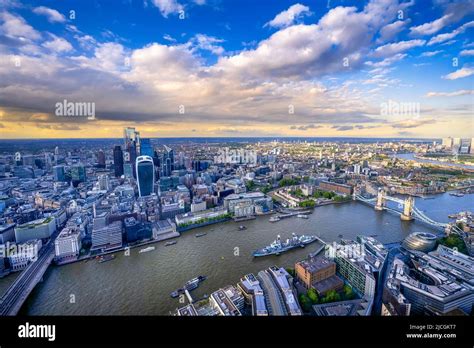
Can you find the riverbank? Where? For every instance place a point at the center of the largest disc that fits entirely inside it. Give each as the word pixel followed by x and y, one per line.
pixel 140 284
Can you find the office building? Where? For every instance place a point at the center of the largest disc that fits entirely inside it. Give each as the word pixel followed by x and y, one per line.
pixel 101 159
pixel 447 142
pixel 36 229
pixel 135 230
pixel 118 161
pixel 429 290
pixel 167 161
pixel 314 270
pixel 250 288
pixel 335 187
pixel 223 304
pixel 106 236
pixel 58 174
pixel 68 244
pixel 131 143
pixel 78 173
pixel 145 175
pixel 421 241
pixel 145 147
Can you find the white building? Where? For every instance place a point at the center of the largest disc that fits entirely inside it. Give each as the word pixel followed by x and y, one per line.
pixel 21 255
pixel 68 244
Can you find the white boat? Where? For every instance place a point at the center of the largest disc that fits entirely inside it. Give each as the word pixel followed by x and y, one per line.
pixel 303 216
pixel 151 248
pixel 274 219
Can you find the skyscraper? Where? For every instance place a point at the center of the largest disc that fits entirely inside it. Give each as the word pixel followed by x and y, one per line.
pixel 132 142
pixel 145 147
pixel 58 173
pixel 145 175
pixel 78 174
pixel 118 161
pixel 167 164
pixel 101 159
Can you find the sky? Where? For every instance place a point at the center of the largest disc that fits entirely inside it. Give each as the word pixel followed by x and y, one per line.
pixel 235 68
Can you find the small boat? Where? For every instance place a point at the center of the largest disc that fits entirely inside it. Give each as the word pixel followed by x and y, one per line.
pixel 189 285
pixel 200 234
pixel 242 227
pixel 340 236
pixel 106 258
pixel 173 242
pixel 302 216
pixel 151 248
pixel 274 219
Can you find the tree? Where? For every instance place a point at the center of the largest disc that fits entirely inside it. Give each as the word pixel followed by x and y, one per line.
pixel 313 296
pixel 291 271
pixel 348 292
pixel 331 296
pixel 307 204
pixel 305 302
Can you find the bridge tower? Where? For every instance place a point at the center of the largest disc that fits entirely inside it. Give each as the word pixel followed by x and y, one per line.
pixel 380 205
pixel 408 205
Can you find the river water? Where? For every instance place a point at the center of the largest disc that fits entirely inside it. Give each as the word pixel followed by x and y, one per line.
pixel 141 283
pixel 411 157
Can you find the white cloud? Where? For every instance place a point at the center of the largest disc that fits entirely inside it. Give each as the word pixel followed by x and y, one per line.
pixel 387 61
pixel 397 47
pixel 453 13
pixel 467 53
pixel 431 53
pixel 448 36
pixel 289 17
pixel 168 37
pixel 451 94
pixel 168 7
pixel 17 27
pixel 458 74
pixel 431 27
pixel 52 15
pixel 391 30
pixel 58 45
pixel 208 43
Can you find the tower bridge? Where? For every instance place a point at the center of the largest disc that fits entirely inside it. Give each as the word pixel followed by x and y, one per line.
pixel 408 211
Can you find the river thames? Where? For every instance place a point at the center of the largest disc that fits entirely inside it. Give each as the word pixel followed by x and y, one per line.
pixel 141 283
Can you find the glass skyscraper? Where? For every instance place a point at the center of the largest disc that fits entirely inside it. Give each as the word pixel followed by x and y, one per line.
pixel 145 147
pixel 118 161
pixel 145 175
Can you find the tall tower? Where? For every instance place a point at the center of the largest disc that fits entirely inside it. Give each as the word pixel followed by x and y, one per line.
pixel 145 175
pixel 118 161
pixel 408 209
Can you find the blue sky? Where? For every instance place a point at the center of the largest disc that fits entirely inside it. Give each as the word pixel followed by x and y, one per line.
pixel 238 68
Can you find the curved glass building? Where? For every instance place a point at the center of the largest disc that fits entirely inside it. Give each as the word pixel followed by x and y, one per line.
pixel 421 241
pixel 145 175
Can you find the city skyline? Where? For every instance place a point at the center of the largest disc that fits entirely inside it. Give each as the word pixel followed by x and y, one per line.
pixel 208 68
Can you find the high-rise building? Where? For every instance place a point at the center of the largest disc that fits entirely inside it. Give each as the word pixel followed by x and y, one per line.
pixel 145 175
pixel 118 161
pixel 103 181
pixel 447 142
pixel 58 173
pixel 464 146
pixel 145 147
pixel 78 173
pixel 167 163
pixel 128 170
pixel 101 159
pixel 132 143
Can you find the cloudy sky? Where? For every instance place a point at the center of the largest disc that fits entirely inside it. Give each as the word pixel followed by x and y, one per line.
pixel 385 68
